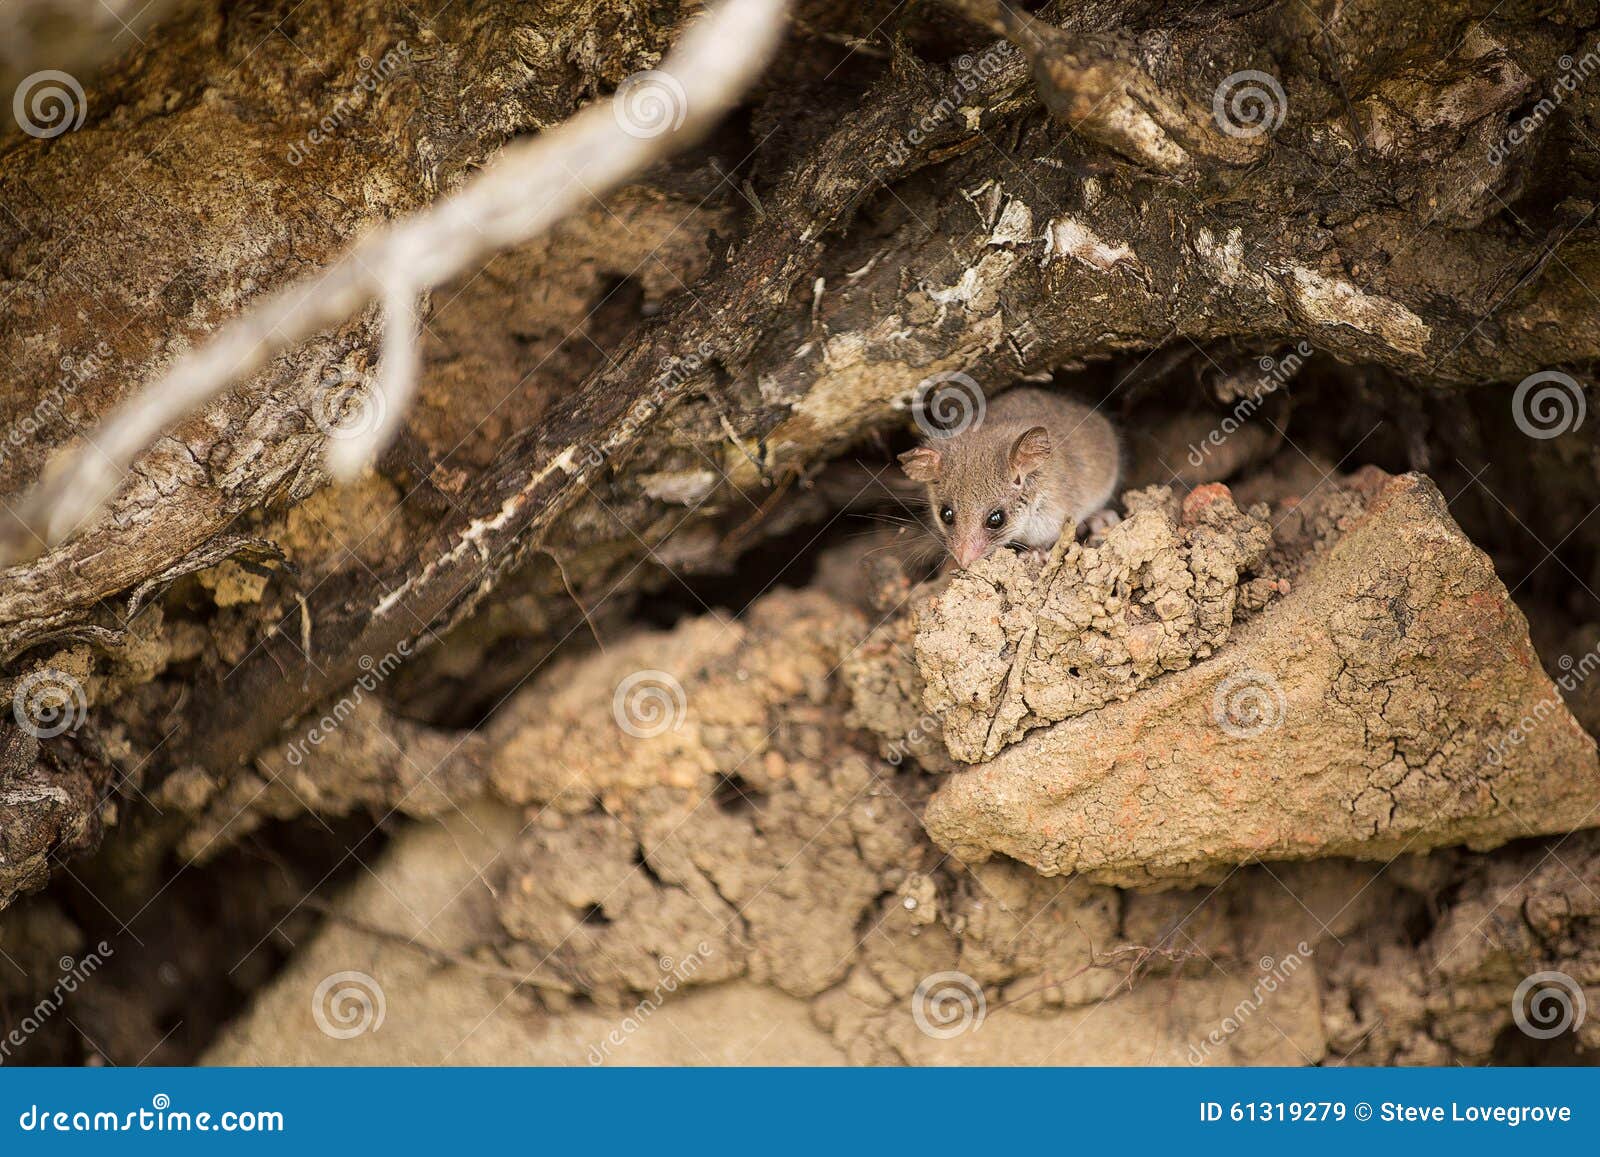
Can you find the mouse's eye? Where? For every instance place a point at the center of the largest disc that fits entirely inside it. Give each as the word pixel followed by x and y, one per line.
pixel 996 519
pixel 947 514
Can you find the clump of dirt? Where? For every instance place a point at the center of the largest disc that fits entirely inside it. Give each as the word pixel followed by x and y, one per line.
pixel 1014 644
pixel 1382 705
pixel 354 757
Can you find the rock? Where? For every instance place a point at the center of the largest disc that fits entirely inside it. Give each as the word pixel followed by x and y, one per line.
pixel 1499 972
pixel 325 1009
pixel 354 755
pixel 735 879
pixel 1391 702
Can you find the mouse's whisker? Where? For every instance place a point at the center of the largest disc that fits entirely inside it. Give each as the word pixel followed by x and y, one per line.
pixel 890 519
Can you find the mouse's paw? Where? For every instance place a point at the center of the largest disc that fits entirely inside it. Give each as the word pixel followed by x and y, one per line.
pixel 1099 522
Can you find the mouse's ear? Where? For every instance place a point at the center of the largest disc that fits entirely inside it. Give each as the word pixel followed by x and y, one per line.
pixel 1029 451
pixel 922 464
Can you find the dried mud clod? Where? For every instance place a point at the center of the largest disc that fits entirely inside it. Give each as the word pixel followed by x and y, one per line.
pixel 1373 709
pixel 1010 646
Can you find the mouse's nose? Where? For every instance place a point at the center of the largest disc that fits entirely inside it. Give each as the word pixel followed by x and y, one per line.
pixel 967 553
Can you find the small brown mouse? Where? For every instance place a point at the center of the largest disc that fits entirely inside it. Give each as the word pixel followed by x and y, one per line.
pixel 1027 470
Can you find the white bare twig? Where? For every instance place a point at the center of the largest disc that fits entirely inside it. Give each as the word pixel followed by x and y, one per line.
pixel 530 186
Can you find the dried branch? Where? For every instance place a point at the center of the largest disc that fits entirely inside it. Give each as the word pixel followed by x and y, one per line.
pixel 531 186
pixel 443 957
pixel 1139 958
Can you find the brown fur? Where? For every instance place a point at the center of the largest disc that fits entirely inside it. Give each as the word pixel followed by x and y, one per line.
pixel 1045 461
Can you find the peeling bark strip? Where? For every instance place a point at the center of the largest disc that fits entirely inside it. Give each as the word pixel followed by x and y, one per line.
pixel 644 848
